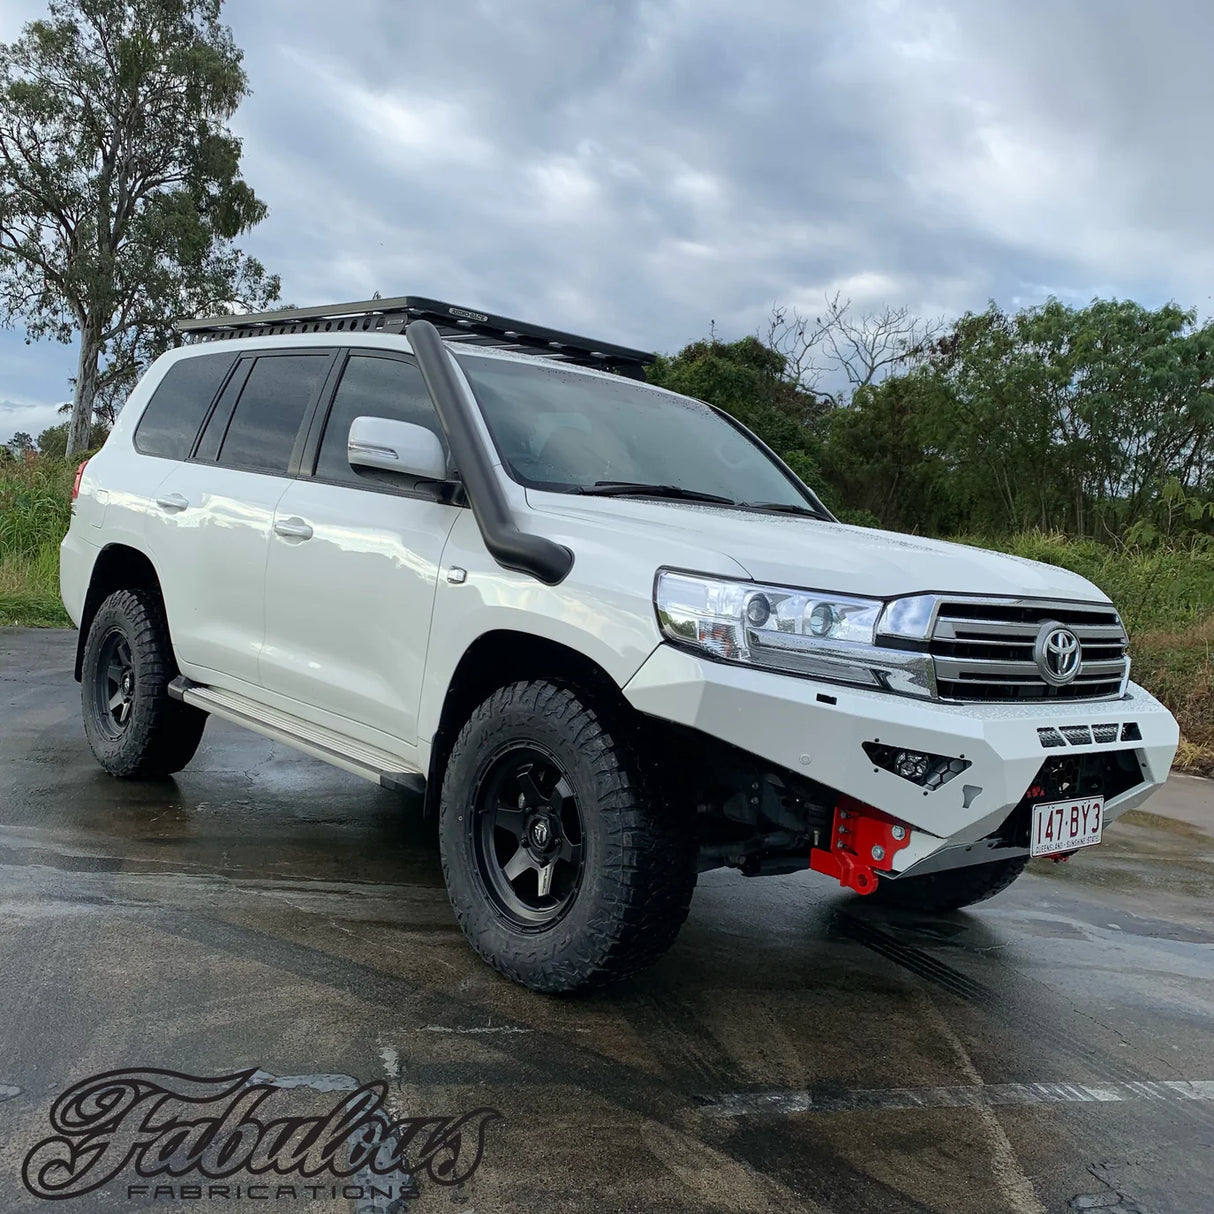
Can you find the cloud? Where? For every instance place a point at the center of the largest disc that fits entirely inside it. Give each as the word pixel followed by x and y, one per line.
pixel 640 169
pixel 32 419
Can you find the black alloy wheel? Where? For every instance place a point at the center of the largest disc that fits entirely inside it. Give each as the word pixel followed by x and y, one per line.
pixel 528 836
pixel 114 683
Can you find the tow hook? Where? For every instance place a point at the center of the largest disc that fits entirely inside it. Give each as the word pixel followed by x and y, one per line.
pixel 863 841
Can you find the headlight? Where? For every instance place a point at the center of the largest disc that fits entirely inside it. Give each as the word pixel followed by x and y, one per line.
pixel 806 632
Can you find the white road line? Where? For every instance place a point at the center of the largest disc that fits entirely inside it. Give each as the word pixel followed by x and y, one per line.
pixel 976 1096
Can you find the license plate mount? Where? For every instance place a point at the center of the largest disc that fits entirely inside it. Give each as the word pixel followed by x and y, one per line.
pixel 1066 826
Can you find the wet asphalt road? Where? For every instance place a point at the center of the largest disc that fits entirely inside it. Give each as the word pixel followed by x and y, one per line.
pixel 797 1049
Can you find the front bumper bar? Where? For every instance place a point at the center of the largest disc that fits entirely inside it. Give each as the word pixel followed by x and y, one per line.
pixel 818 730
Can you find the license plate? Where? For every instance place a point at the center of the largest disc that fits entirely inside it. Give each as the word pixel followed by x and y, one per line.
pixel 1060 826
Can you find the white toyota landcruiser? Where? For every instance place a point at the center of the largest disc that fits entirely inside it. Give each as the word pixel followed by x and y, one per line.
pixel 603 630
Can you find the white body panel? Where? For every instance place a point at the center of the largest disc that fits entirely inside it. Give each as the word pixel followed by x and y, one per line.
pixel 786 550
pixel 348 609
pixel 117 485
pixel 211 556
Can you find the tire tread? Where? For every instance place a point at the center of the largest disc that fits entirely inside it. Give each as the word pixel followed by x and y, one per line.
pixel 163 734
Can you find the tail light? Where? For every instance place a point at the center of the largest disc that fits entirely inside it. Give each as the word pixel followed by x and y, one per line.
pixel 79 477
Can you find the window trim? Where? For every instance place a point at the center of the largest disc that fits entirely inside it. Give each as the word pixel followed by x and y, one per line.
pixel 221 408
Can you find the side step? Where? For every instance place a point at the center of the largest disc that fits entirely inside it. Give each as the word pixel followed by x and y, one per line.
pixel 357 757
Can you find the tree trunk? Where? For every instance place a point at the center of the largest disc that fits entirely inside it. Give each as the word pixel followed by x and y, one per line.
pixel 81 428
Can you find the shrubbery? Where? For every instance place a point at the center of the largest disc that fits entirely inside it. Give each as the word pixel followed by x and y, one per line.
pixel 35 508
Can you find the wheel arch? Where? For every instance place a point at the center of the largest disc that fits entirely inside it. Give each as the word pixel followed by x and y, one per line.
pixel 496 659
pixel 117 567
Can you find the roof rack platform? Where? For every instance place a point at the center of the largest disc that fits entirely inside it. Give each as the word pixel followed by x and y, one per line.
pixel 455 324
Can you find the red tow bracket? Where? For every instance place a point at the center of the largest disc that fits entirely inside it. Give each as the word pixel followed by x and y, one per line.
pixel 863 841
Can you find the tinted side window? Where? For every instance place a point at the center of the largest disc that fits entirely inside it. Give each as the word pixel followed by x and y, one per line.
pixel 266 421
pixel 170 423
pixel 372 387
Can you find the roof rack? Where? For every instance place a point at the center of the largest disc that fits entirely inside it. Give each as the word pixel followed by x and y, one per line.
pixel 454 324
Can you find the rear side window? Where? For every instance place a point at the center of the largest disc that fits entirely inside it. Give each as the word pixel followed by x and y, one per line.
pixel 372 387
pixel 170 423
pixel 265 424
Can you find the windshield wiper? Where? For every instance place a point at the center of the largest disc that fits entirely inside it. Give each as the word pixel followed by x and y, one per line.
pixel 642 489
pixel 781 508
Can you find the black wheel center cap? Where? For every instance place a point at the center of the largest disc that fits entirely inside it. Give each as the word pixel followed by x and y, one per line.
pixel 127 682
pixel 541 833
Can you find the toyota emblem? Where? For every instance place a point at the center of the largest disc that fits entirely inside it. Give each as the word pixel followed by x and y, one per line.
pixel 1057 653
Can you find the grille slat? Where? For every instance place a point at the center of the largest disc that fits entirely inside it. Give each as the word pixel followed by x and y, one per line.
pixel 984 650
pixel 1009 630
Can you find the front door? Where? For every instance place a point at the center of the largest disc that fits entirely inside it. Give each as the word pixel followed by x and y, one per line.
pixel 350 581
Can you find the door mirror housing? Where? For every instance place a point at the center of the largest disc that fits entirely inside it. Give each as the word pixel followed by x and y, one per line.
pixel 395 446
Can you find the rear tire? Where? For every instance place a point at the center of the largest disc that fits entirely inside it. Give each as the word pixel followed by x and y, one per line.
pixel 564 869
pixel 951 889
pixel 136 731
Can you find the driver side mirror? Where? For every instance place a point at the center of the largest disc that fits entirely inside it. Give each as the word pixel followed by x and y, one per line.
pixel 395 446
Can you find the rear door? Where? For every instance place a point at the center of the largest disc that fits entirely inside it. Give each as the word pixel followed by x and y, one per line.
pixel 164 438
pixel 213 514
pixel 353 562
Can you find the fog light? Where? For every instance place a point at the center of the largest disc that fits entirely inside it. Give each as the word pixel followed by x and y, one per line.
pixel 927 770
pixel 911 765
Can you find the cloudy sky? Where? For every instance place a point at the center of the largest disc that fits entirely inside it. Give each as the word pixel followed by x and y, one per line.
pixel 639 169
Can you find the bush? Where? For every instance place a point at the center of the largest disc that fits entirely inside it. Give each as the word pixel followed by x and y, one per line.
pixel 35 509
pixel 35 505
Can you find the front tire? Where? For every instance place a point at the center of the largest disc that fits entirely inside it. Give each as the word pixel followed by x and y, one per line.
pixel 952 889
pixel 136 731
pixel 564 869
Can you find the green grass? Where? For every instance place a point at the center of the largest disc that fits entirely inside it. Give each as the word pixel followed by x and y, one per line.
pixel 35 508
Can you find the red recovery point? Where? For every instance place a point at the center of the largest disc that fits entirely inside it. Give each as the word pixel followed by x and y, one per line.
pixel 863 841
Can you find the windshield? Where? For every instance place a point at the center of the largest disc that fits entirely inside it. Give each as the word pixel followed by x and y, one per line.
pixel 568 432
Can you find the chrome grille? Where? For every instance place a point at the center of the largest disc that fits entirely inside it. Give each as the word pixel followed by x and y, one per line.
pixel 983 650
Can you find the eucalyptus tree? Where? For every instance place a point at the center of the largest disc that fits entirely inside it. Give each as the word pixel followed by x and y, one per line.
pixel 120 185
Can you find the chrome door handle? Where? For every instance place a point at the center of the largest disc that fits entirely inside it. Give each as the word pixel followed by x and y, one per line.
pixel 172 501
pixel 293 528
